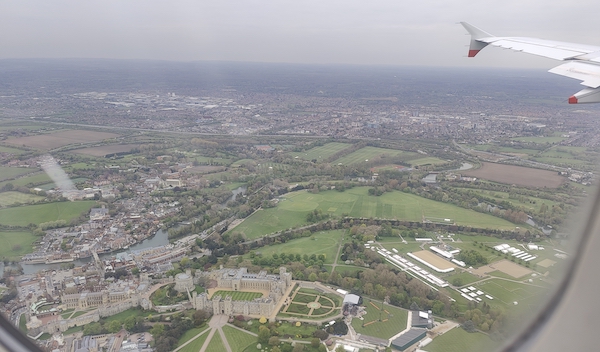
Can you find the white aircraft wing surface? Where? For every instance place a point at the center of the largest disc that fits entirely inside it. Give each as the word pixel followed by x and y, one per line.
pixel 582 61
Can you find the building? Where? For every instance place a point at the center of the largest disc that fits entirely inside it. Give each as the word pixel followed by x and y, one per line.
pixel 240 280
pixel 409 338
pixel 184 282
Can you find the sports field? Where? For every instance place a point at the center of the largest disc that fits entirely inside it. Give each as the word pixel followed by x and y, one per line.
pixel 39 213
pixel 458 340
pixel 507 292
pixel 238 295
pixel 434 260
pixel 383 321
pixel 426 161
pixel 10 198
pixel 323 242
pixel 322 152
pixel 356 202
pixel 368 153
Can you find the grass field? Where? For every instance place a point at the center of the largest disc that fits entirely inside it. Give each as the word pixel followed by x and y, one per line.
pixel 188 335
pixel 216 343
pixel 15 244
pixel 464 276
pixel 238 340
pixel 356 202
pixel 323 242
pixel 517 175
pixel 426 161
pixel 39 213
pixel 322 152
pixel 238 295
pixel 458 340
pixel 506 292
pixel 11 150
pixel 540 140
pixel 131 312
pixel 530 203
pixel 368 153
pixel 10 198
pixel 396 320
pixel 37 179
pixel 7 173
pixel 195 345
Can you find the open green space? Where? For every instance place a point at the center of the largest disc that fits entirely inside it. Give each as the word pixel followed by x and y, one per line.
pixel 23 323
pixel 15 244
pixel 293 207
pixel 426 161
pixel 73 330
pixel 238 295
pixel 458 340
pixel 322 242
pixel 166 296
pixel 368 153
pixel 464 277
pixel 322 152
pixel 7 173
pixel 29 181
pixel 12 197
pixel 15 151
pixel 383 322
pixel 506 292
pixel 540 140
pixel 131 312
pixel 216 343
pixel 188 335
pixel 238 340
pixel 195 345
pixel 39 213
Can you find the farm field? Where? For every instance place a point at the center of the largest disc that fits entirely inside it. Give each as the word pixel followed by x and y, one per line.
pixel 238 340
pixel 60 139
pixel 322 152
pixel 10 198
pixel 15 244
pixel 392 322
pixel 7 173
pixel 458 340
pixel 196 344
pixel 532 203
pixel 11 150
pixel 293 207
pixel 39 213
pixel 323 242
pixel 105 149
pixel 518 175
pixel 238 295
pixel 37 179
pixel 368 153
pixel 540 140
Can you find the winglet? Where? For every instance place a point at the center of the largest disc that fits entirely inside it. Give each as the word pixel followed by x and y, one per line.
pixel 476 34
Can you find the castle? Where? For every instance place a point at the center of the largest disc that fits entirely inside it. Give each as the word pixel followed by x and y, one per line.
pixel 240 280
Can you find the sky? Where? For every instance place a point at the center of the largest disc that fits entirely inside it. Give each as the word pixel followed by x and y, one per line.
pixel 374 32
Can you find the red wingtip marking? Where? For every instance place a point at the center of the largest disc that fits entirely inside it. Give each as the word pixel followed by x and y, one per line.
pixel 572 100
pixel 472 53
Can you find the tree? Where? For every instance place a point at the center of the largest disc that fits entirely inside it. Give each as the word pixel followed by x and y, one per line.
pixel 315 342
pixel 273 341
pixel 264 334
pixel 298 348
pixel 469 326
pixel 114 326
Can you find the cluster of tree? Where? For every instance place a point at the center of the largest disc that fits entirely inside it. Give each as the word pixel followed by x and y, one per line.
pixel 52 225
pixel 269 335
pixel 472 257
pixel 316 216
pixel 486 319
pixel 167 335
pixel 133 324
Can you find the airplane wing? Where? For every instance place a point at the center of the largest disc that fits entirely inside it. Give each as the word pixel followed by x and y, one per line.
pixel 582 62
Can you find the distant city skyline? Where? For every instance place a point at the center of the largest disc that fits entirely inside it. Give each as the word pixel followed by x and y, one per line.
pixel 380 32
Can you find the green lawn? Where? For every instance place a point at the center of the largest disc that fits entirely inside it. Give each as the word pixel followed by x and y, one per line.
pixel 506 292
pixel 216 343
pixel 15 244
pixel 540 140
pixel 321 153
pixel 7 172
pixel 238 295
pixel 464 276
pixel 39 213
pixel 293 207
pixel 195 345
pixel 323 242
pixel 238 340
pixel 22 323
pixel 396 320
pixel 458 340
pixel 428 160
pixel 37 179
pixel 10 198
pixel 191 333
pixel 131 312
pixel 368 153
